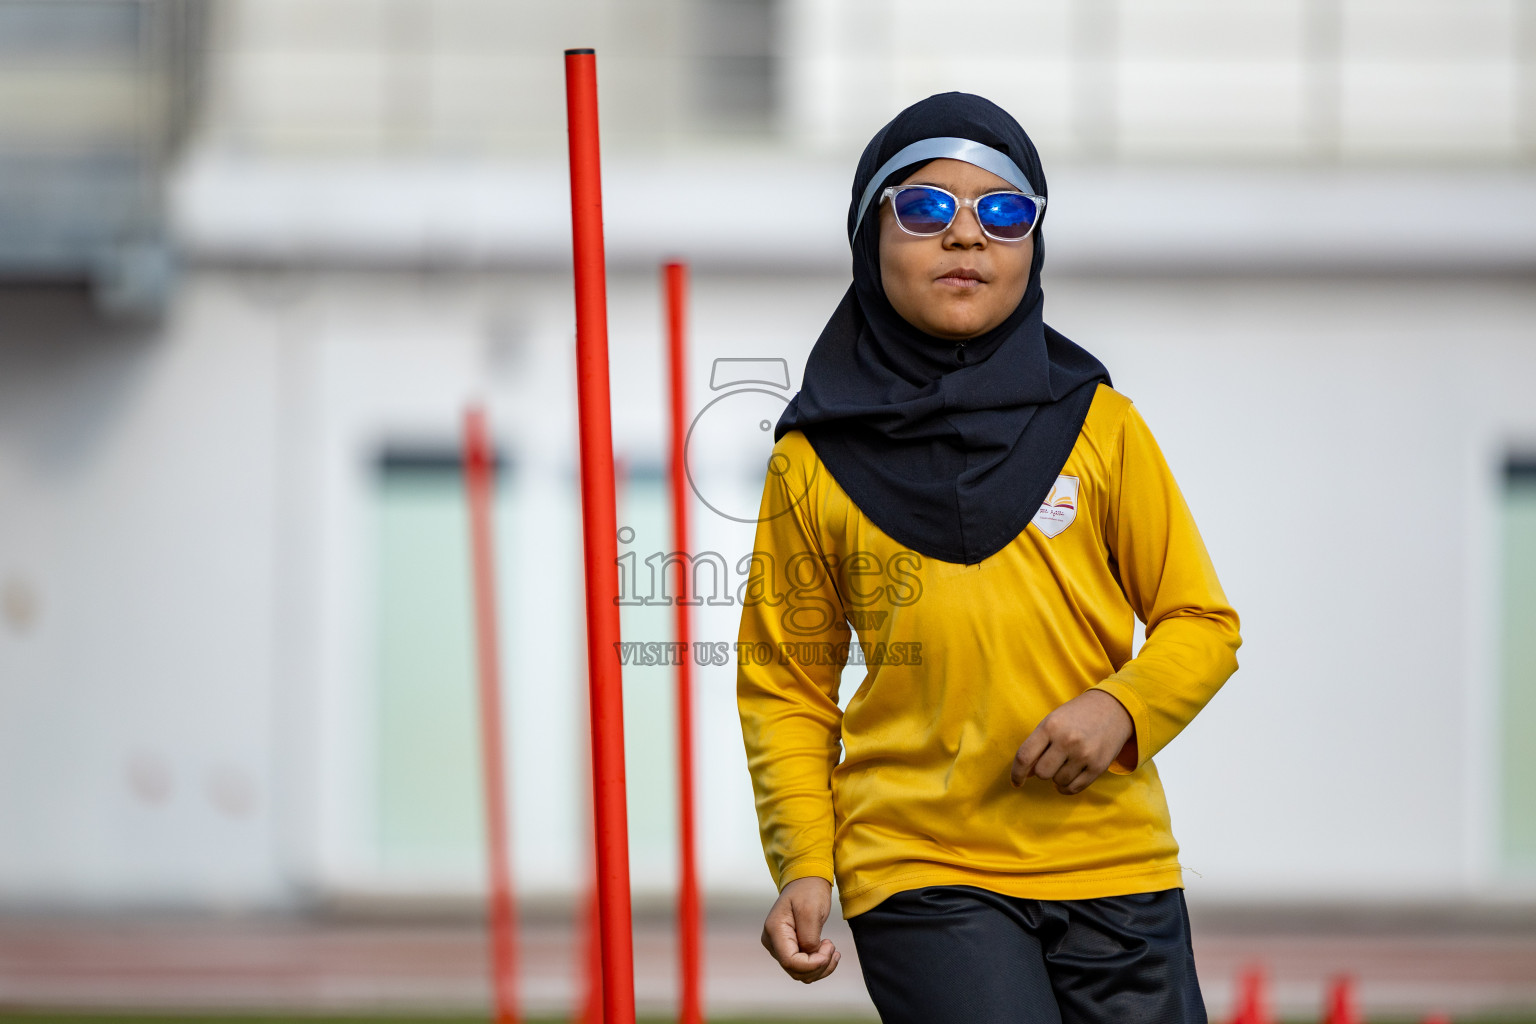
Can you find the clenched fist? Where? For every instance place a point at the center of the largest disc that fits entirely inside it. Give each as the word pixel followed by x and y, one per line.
pixel 792 932
pixel 1076 743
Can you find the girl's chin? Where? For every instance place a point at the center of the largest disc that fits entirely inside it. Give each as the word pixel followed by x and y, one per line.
pixel 958 330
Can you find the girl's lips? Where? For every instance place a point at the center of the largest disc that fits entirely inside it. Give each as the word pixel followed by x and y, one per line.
pixel 959 280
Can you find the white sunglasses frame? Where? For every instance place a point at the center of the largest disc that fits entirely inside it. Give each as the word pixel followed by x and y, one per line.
pixel 970 204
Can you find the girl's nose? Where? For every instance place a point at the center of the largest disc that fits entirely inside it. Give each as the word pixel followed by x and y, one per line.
pixel 965 229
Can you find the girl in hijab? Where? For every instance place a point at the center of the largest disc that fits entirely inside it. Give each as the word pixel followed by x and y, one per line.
pixel 959 484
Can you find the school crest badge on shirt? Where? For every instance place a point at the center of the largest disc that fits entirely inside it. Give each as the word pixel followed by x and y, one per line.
pixel 1059 508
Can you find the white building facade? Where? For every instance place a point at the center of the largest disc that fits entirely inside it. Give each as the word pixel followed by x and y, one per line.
pixel 234 636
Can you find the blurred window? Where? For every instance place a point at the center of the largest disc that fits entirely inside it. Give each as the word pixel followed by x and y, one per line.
pixel 1518 697
pixel 650 715
pixel 47 28
pixel 737 65
pixel 429 815
pixel 427 774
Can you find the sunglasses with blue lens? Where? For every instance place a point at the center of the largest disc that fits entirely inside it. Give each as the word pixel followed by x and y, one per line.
pixel 930 210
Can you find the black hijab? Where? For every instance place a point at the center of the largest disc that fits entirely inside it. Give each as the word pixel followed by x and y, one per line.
pixel 948 448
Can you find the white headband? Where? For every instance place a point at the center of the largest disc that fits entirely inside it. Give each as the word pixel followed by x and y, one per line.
pixel 985 157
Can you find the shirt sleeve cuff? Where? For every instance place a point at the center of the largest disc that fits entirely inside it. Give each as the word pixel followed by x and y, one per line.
pixel 1141 721
pixel 810 866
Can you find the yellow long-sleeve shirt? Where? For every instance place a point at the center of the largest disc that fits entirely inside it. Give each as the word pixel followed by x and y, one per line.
pixel 963 661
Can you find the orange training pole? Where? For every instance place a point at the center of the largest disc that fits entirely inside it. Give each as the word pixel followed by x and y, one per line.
pixel 592 952
pixel 591 926
pixel 599 541
pixel 478 471
pixel 689 911
pixel 589 1009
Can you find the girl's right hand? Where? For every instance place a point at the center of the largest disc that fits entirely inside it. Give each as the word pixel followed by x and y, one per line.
pixel 792 932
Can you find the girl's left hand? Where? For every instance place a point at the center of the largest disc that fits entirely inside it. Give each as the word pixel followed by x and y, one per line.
pixel 1076 743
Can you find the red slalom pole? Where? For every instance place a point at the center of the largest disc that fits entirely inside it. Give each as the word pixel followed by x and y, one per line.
pixel 590 1008
pixel 599 541
pixel 1252 997
pixel 478 471
pixel 689 910
pixel 591 926
pixel 1341 1006
pixel 592 958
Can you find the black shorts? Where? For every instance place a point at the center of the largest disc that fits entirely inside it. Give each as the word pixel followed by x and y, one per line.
pixel 955 954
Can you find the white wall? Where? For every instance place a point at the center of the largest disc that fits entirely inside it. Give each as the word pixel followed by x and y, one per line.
pixel 186 556
pixel 1372 81
pixel 137 473
pixel 184 717
pixel 1153 80
pixel 1341 443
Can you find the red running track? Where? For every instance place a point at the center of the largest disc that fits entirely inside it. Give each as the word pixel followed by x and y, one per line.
pixel 1404 967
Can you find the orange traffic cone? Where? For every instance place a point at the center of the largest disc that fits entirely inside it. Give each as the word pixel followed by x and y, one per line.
pixel 1342 1008
pixel 1252 999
